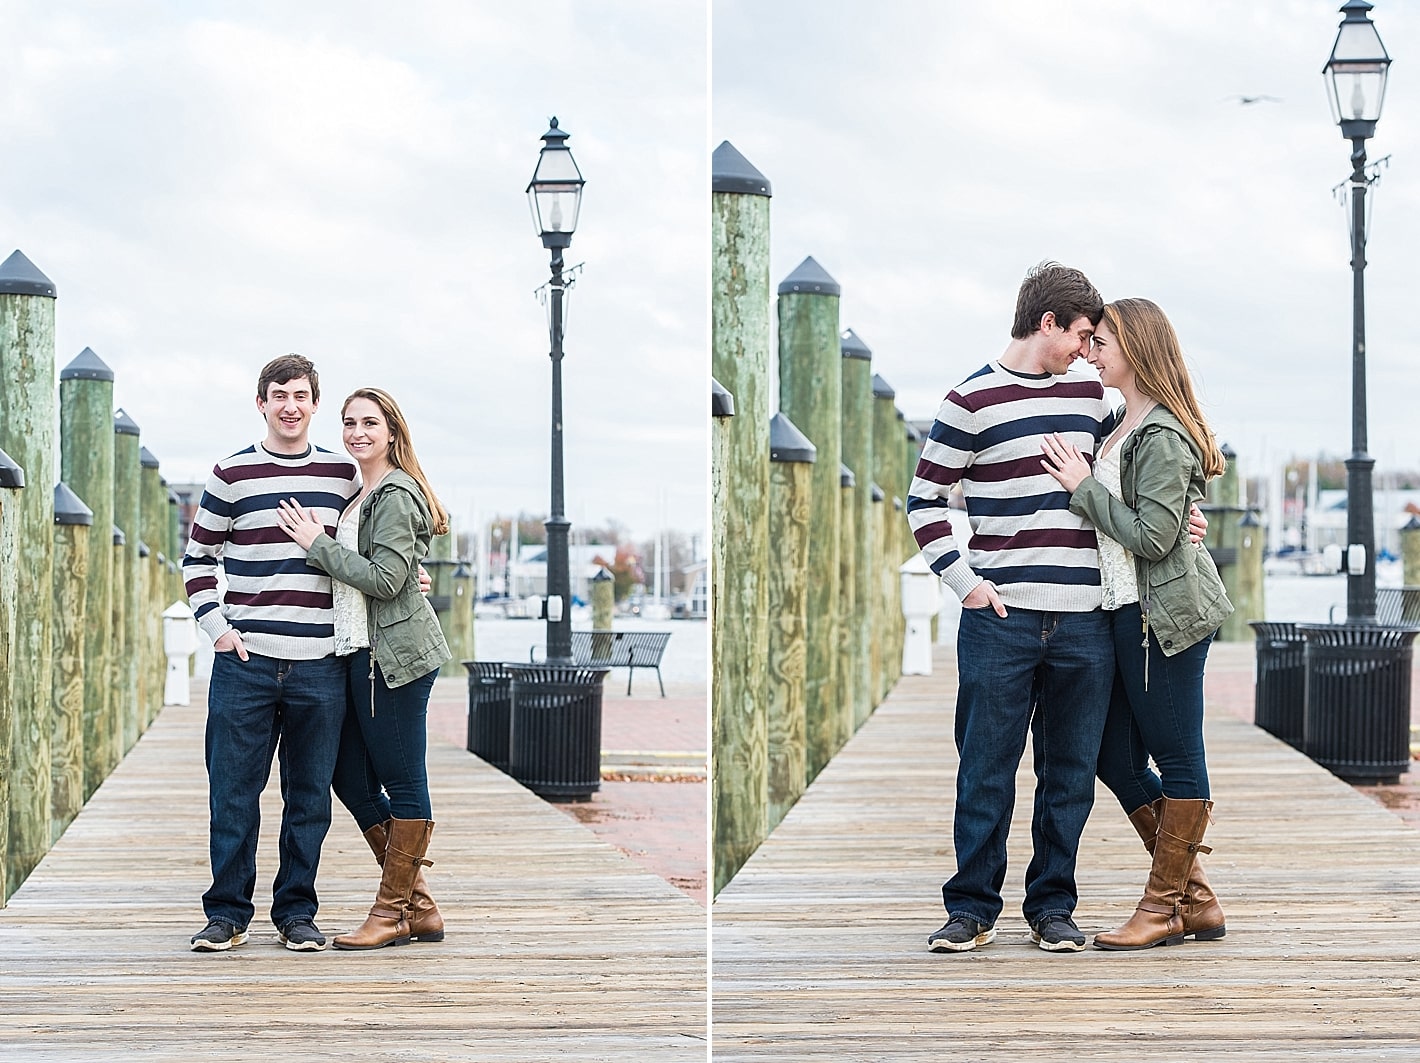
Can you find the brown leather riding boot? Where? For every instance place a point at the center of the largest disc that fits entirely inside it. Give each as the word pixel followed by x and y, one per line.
pixel 1203 918
pixel 388 922
pixel 1158 918
pixel 425 922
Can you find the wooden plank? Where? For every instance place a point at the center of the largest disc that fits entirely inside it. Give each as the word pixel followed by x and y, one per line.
pixel 558 946
pixel 820 941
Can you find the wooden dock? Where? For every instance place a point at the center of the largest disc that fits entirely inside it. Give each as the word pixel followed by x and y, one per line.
pixel 558 946
pixel 820 942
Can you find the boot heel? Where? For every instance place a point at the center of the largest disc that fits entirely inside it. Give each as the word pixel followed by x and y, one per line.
pixel 1176 939
pixel 438 935
pixel 1211 935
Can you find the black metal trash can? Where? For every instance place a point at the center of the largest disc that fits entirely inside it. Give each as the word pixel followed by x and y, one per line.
pixel 1357 723
pixel 489 704
pixel 1279 695
pixel 555 732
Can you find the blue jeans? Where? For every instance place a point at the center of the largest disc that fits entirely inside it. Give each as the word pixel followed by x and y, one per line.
pixel 380 771
pixel 1048 673
pixel 1164 722
pixel 256 708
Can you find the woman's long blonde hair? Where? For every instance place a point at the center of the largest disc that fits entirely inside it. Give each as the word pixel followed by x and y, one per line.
pixel 402 449
pixel 1151 348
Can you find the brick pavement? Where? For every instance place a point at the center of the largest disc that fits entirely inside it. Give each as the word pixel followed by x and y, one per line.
pixel 653 803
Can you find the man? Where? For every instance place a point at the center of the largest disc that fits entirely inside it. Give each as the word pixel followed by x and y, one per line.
pixel 275 679
pixel 1034 650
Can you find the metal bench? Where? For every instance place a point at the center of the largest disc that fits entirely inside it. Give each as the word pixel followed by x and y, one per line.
pixel 1394 605
pixel 619 649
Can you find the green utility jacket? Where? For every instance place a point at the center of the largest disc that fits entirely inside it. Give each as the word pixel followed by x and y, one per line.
pixel 395 528
pixel 1161 474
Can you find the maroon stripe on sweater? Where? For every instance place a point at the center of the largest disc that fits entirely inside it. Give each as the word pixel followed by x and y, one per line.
pixel 928 533
pixel 938 474
pixel 268 470
pixel 265 536
pixel 206 536
pixel 193 584
pixel 1037 538
pixel 1059 389
pixel 990 472
pixel 304 599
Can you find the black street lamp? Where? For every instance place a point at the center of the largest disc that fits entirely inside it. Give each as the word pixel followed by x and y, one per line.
pixel 555 196
pixel 1355 80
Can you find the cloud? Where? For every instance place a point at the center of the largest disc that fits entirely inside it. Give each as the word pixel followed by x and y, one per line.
pixel 210 186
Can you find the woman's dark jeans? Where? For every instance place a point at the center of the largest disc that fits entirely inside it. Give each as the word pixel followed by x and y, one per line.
pixel 1164 722
pixel 380 769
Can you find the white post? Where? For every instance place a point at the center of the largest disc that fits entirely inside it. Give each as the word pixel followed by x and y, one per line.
pixel 921 599
pixel 179 643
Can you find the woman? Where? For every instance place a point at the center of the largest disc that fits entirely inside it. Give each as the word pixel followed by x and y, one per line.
pixel 1165 602
pixel 395 647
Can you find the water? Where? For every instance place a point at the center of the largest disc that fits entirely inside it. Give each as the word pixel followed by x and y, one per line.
pixel 685 659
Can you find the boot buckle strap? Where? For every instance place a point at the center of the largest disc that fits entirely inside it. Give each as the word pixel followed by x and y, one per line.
pixel 385 913
pixel 1146 905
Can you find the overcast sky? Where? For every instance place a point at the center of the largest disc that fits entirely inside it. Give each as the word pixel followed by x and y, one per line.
pixel 927 154
pixel 210 185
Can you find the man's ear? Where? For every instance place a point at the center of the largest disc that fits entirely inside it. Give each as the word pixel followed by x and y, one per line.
pixel 1047 321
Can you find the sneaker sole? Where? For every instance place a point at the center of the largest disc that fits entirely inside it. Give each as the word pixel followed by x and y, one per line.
pixel 301 946
pixel 202 945
pixel 943 945
pixel 1057 946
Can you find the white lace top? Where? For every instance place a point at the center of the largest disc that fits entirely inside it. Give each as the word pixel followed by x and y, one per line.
pixel 352 622
pixel 1118 579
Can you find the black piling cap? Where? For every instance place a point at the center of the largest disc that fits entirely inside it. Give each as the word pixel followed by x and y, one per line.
pixel 118 537
pixel 853 347
pixel 878 495
pixel 602 575
pixel 20 276
pixel 143 550
pixel 732 172
pixel 846 477
pixel 1249 519
pixel 86 366
pixel 722 403
pixel 123 424
pixel 69 508
pixel 787 443
pixel 882 389
pixel 1228 452
pixel 146 459
pixel 809 277
pixel 11 475
pixel 173 499
pixel 1412 525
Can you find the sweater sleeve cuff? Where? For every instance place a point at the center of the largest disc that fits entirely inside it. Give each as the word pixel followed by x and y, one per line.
pixel 961 578
pixel 214 624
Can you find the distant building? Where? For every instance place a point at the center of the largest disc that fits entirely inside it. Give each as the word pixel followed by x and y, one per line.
pixel 528 573
pixel 1391 514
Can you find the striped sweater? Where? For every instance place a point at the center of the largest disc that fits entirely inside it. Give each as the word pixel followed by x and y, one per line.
pixel 1024 539
pixel 280 604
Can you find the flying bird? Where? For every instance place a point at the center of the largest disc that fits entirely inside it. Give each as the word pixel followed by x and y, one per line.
pixel 1246 100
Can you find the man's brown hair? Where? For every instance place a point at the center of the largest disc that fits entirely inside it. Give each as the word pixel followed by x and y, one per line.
pixel 1052 288
pixel 287 367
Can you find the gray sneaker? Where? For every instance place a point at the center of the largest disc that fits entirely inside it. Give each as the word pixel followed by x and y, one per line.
pixel 1057 933
pixel 961 934
pixel 301 935
pixel 218 936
